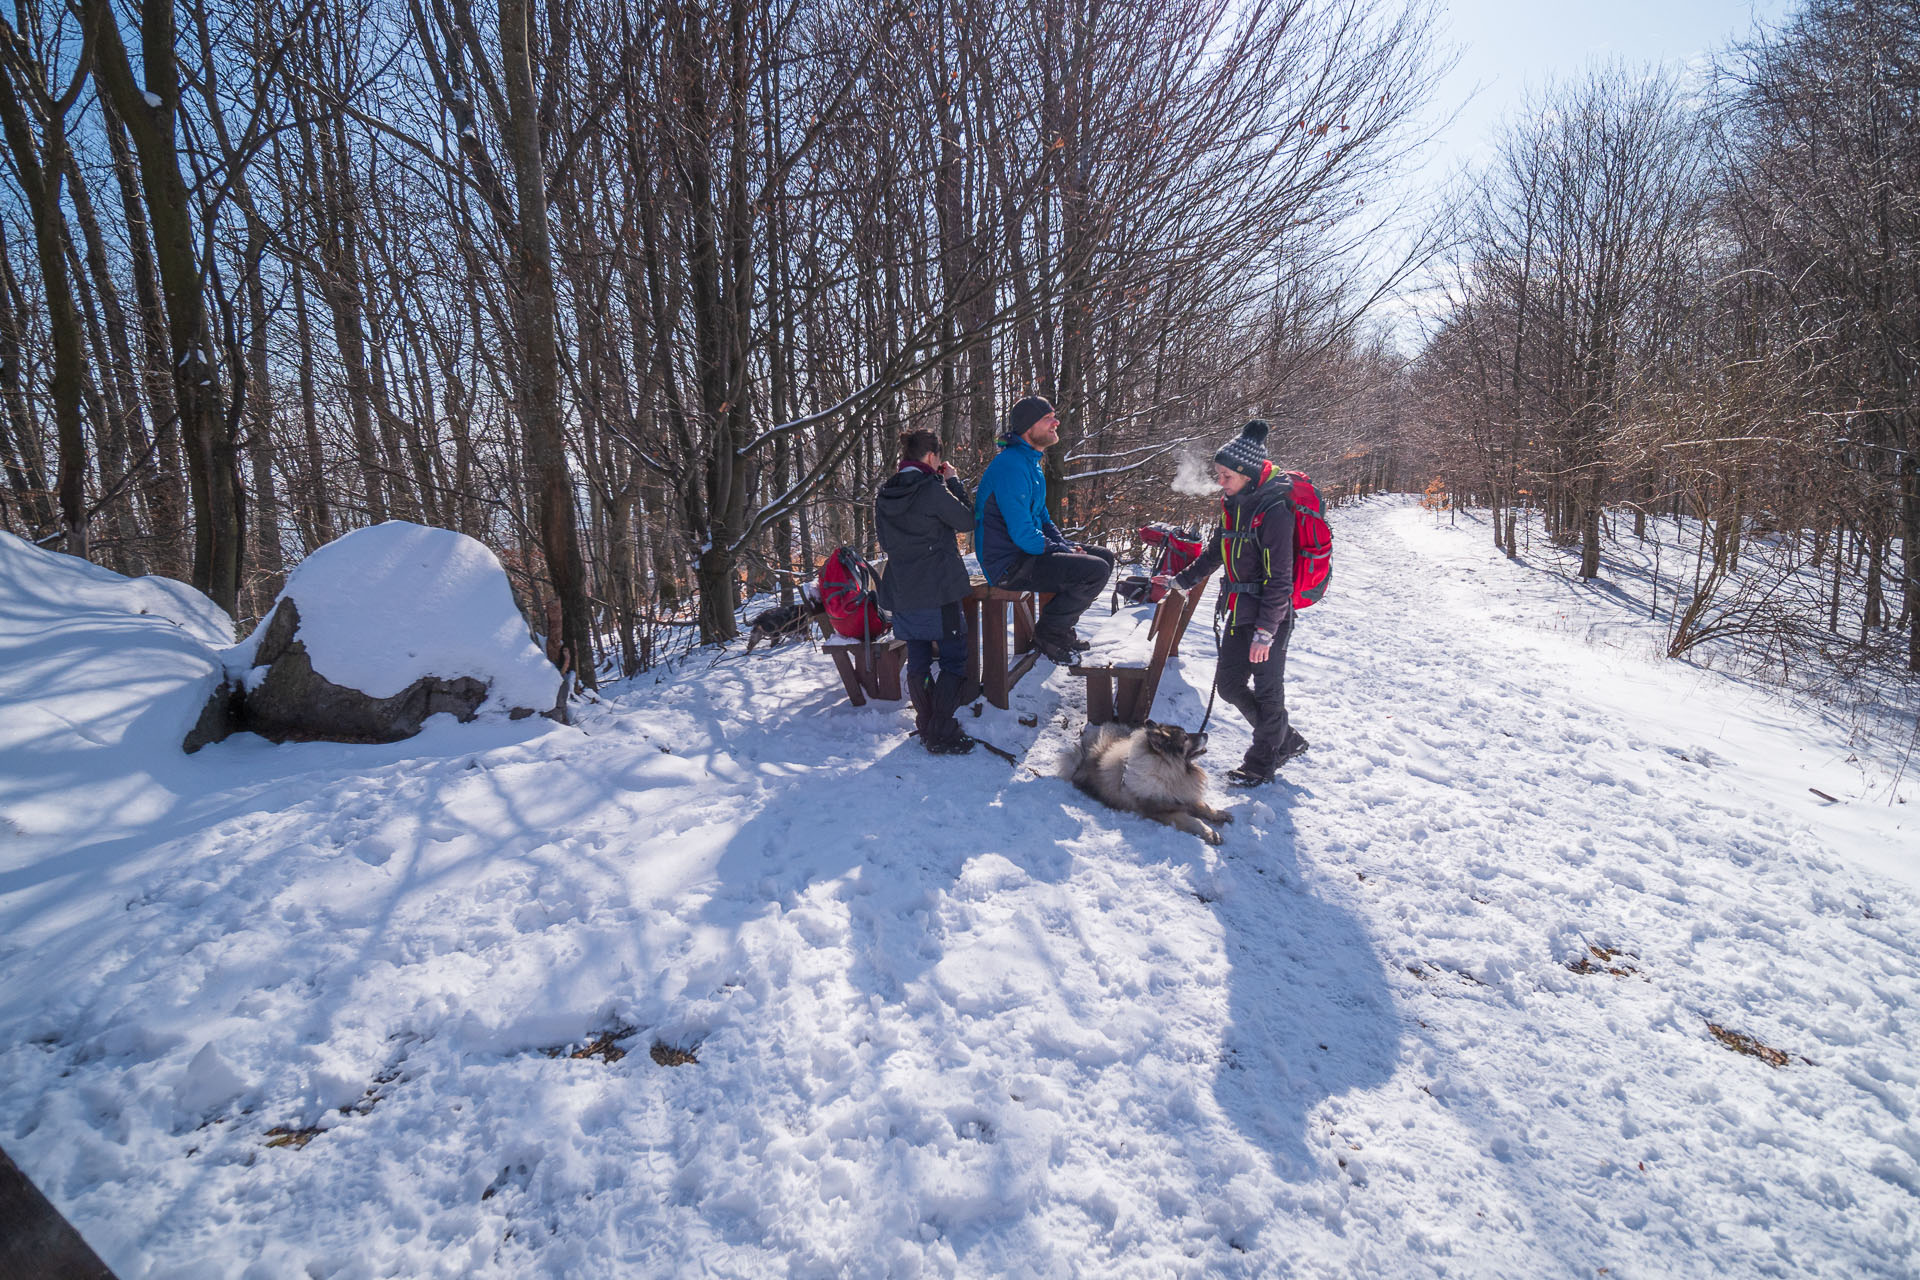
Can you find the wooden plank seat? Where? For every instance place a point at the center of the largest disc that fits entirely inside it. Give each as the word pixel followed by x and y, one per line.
pixel 1000 646
pixel 868 668
pixel 1128 654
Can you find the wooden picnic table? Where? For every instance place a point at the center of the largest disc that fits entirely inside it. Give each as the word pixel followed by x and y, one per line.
pixel 996 659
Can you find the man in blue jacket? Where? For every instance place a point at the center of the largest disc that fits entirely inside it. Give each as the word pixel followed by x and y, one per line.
pixel 1019 546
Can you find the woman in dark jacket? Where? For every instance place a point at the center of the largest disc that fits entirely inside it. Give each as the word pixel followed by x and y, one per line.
pixel 1255 545
pixel 917 514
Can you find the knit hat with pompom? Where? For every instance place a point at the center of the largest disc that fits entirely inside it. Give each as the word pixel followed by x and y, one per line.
pixel 1246 452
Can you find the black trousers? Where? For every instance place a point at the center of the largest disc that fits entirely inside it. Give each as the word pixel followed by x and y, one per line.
pixel 1258 691
pixel 1075 578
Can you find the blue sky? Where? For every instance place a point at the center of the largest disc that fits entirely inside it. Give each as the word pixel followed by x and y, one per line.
pixel 1507 46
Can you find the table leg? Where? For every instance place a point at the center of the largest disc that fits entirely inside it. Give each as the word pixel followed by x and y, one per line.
pixel 1023 623
pixel 970 607
pixel 993 671
pixel 886 672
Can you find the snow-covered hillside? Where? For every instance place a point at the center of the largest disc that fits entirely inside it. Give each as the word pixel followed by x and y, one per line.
pixel 1443 1004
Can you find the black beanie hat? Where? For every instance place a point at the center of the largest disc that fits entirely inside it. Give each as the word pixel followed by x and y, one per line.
pixel 1246 452
pixel 1021 418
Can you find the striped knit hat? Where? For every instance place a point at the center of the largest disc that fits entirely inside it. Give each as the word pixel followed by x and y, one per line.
pixel 1246 452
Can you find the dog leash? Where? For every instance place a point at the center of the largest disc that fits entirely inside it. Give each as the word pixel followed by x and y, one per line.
pixel 1215 688
pixel 1008 756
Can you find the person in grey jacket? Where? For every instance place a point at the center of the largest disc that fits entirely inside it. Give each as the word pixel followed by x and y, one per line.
pixel 917 513
pixel 1255 543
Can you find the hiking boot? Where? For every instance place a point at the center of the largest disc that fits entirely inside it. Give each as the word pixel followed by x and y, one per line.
pixel 1060 652
pixel 920 694
pixel 1294 747
pixel 951 740
pixel 945 737
pixel 1245 777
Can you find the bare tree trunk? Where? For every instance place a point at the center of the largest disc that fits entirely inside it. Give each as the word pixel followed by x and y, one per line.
pixel 535 315
pixel 42 167
pixel 165 495
pixel 213 471
pixel 19 444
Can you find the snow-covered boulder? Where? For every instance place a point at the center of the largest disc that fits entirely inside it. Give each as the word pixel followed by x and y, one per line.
pixel 100 675
pixel 375 632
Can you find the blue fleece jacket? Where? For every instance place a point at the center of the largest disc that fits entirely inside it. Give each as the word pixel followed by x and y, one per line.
pixel 1010 510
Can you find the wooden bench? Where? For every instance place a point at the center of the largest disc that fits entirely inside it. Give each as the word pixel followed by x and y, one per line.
pixel 1123 668
pixel 868 668
pixel 994 660
pixel 1000 648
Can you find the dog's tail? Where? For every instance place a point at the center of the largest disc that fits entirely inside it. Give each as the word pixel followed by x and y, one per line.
pixel 1077 760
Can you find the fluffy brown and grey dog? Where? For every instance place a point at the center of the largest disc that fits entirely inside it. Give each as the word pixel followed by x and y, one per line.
pixel 1149 771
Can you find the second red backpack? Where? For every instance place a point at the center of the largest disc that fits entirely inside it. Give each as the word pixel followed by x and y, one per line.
pixel 1312 540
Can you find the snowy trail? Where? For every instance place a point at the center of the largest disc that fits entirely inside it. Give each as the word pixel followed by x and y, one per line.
pixel 954 1019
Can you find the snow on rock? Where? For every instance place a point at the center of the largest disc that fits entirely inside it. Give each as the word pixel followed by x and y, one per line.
pixel 94 669
pixel 374 634
pixel 384 606
pixel 48 587
pixel 736 979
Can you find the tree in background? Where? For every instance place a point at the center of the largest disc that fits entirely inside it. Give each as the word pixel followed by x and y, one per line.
pixel 640 292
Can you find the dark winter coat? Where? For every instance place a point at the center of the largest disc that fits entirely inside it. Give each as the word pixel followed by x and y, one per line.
pixel 1256 532
pixel 917 515
pixel 1010 513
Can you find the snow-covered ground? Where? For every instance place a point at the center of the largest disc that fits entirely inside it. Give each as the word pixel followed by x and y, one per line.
pixel 1439 1006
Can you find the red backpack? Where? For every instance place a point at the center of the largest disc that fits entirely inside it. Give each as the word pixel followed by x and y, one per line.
pixel 847 588
pixel 1312 540
pixel 1178 549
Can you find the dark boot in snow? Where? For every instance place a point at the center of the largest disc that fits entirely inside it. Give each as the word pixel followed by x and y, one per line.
pixel 1056 649
pixel 1292 748
pixel 920 694
pixel 948 738
pixel 1255 769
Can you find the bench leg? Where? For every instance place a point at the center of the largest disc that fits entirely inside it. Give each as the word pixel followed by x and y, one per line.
pixel 1127 701
pixel 849 675
pixel 1186 617
pixel 1099 698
